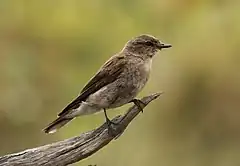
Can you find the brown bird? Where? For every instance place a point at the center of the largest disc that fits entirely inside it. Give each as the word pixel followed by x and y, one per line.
pixel 116 83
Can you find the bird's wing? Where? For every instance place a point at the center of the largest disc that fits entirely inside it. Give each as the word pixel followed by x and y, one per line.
pixel 107 74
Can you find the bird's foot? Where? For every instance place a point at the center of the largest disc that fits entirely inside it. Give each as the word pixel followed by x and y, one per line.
pixel 109 122
pixel 139 104
pixel 111 130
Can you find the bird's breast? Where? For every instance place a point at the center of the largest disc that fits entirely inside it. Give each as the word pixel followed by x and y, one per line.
pixel 141 74
pixel 147 66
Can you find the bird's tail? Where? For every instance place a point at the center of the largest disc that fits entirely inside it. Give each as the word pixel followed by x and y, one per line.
pixel 56 124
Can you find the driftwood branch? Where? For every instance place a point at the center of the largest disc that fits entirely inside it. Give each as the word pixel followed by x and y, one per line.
pixel 77 148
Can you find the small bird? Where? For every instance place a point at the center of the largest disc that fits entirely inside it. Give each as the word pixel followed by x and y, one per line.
pixel 116 83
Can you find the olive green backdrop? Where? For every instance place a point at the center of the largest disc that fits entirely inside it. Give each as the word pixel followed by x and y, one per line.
pixel 50 49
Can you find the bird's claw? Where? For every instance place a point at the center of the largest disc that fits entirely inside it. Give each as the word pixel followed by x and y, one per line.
pixel 111 130
pixel 139 104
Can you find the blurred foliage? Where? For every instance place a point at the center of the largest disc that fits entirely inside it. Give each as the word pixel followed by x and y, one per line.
pixel 49 49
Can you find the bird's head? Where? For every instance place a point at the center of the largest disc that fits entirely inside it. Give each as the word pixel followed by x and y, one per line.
pixel 145 45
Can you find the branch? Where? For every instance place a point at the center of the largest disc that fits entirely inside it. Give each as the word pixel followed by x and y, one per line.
pixel 77 148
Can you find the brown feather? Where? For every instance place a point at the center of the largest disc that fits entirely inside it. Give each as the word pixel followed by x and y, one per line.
pixel 108 73
pixel 56 124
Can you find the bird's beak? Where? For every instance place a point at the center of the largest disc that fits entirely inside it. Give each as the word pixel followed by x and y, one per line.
pixel 162 45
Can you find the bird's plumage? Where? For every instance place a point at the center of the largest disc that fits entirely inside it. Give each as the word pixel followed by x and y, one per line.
pixel 103 77
pixel 116 83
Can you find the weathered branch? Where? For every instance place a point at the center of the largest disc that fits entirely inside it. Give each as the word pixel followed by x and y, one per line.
pixel 77 148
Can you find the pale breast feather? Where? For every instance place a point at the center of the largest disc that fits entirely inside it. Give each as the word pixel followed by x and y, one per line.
pixel 147 65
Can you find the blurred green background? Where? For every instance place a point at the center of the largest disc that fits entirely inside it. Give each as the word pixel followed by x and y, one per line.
pixel 50 49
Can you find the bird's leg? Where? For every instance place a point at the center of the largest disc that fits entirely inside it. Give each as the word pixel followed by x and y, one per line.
pixel 111 130
pixel 139 104
pixel 108 121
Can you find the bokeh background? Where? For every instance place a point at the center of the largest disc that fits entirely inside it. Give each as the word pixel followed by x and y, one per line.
pixel 50 49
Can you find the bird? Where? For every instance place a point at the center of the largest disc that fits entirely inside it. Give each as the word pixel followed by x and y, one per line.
pixel 116 83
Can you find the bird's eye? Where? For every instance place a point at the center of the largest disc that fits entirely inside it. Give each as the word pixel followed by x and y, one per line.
pixel 149 43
